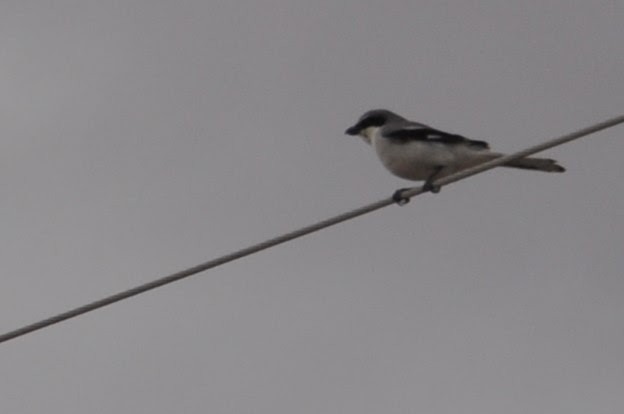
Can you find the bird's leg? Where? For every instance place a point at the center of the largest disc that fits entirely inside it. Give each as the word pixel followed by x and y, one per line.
pixel 428 186
pixel 401 200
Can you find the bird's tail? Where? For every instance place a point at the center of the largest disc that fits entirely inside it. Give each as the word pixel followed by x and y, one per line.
pixel 538 164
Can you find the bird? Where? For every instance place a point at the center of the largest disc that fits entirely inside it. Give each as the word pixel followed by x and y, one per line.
pixel 418 152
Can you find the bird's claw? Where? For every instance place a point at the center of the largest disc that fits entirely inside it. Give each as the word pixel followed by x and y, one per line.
pixel 428 186
pixel 399 198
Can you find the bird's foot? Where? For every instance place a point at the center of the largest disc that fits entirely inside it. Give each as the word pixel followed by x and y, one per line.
pixel 399 198
pixel 429 186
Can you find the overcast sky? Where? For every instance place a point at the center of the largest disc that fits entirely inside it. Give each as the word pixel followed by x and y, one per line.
pixel 142 137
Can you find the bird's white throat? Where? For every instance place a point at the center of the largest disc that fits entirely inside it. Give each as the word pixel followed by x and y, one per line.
pixel 368 134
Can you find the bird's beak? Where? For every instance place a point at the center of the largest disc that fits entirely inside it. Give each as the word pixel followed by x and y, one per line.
pixel 354 130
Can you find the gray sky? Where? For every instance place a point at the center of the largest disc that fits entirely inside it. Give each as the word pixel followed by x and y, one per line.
pixel 143 137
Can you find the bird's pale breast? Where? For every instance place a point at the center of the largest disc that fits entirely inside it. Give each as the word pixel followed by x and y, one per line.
pixel 413 160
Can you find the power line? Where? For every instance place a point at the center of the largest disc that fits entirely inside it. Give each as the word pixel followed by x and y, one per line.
pixel 301 232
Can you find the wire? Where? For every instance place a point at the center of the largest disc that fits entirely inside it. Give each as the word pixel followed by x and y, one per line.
pixel 81 310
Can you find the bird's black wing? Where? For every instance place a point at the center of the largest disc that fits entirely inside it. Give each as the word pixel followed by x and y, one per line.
pixel 413 131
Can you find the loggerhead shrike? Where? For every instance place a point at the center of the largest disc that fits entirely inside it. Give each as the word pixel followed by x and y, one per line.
pixel 420 153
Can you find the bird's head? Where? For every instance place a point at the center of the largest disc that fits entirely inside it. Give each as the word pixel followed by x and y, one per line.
pixel 371 121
